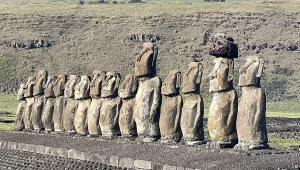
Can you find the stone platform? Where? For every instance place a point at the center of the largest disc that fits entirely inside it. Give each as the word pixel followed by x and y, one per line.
pixel 137 155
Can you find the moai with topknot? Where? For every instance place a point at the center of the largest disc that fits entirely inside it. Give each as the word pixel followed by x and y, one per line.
pixel 38 105
pixel 109 111
pixel 71 104
pixel 19 123
pixel 223 109
pixel 251 118
pixel 148 97
pixel 193 108
pixel 94 108
pixel 49 104
pixel 59 86
pixel 28 95
pixel 127 91
pixel 82 91
pixel 170 113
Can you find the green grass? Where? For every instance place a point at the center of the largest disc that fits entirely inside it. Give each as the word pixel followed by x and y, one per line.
pixel 283 143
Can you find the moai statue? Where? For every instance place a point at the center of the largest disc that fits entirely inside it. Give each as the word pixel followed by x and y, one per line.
pixel 109 112
pixel 71 104
pixel 127 91
pixel 94 108
pixel 191 121
pixel 82 90
pixel 148 97
pixel 223 109
pixel 49 104
pixel 59 86
pixel 28 95
pixel 251 119
pixel 170 113
pixel 38 93
pixel 19 124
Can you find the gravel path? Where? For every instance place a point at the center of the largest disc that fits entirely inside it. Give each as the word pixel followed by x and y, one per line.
pixel 177 155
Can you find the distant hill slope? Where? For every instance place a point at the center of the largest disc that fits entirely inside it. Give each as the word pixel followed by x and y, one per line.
pixel 95 37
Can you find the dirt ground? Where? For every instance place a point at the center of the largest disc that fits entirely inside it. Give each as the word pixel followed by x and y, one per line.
pixel 82 43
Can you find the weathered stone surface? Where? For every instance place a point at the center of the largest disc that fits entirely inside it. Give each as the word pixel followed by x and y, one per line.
pixel 80 119
pixel 48 114
pixel 145 62
pixel 192 78
pixel 221 45
pixel 142 164
pixel 28 94
pixel 69 114
pixel 59 85
pixel 110 85
pixel 19 124
pixel 58 115
pixel 109 114
pixel 222 117
pixel 127 91
pixel 93 116
pixel 114 161
pixel 147 107
pixel 192 118
pixel 96 83
pixel 82 89
pixel 126 163
pixel 38 92
pixel 170 113
pixel 251 118
pixel 126 118
pixel 222 75
pixel 69 86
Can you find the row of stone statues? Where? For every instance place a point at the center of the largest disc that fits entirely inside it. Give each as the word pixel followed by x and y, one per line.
pixel 143 106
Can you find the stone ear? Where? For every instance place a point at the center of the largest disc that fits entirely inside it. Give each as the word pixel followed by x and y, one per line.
pixel 178 80
pixel 230 69
pixel 200 72
pixel 260 67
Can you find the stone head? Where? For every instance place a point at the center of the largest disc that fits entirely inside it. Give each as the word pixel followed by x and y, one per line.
pixel 192 78
pixel 128 87
pixel 222 75
pixel 40 82
pixel 171 83
pixel 59 85
pixel 110 84
pixel 48 92
pixel 145 62
pixel 28 88
pixel 96 83
pixel 20 95
pixel 222 45
pixel 251 71
pixel 69 86
pixel 82 89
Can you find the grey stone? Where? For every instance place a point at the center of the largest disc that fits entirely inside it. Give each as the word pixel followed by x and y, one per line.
pixel 126 163
pixel 114 161
pixel 142 164
pixel 169 167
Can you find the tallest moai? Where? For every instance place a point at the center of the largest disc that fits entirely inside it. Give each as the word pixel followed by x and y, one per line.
pixel 148 97
pixel 223 109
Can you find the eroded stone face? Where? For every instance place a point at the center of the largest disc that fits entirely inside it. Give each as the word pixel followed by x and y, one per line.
pixel 251 71
pixel 192 78
pixel 82 89
pixel 145 62
pixel 40 82
pixel 96 83
pixel 147 107
pixel 171 83
pixel 128 87
pixel 28 88
pixel 49 87
pixel 59 85
pixel 110 85
pixel 222 117
pixel 69 86
pixel 192 118
pixel 222 75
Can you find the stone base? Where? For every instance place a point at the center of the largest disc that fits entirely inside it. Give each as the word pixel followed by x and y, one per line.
pixel 146 139
pixel 169 140
pixel 220 144
pixel 249 146
pixel 192 143
pixel 127 137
